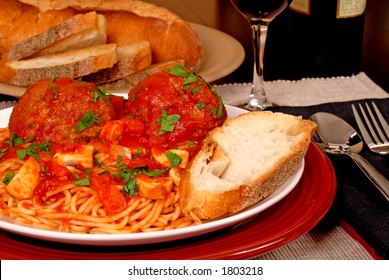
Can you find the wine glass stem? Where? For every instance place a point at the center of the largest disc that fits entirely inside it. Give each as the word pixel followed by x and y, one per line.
pixel 258 99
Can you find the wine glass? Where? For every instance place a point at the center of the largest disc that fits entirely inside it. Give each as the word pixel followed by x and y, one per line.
pixel 259 13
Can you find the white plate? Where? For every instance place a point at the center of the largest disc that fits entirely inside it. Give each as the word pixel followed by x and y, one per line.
pixel 151 237
pixel 222 55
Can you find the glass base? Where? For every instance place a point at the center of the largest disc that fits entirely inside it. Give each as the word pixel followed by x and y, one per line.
pixel 258 105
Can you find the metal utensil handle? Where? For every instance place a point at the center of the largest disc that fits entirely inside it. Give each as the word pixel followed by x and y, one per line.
pixel 373 174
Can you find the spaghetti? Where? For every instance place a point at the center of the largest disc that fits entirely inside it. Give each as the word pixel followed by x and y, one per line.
pixel 78 209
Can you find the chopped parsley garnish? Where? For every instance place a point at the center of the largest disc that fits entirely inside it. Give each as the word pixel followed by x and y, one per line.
pixel 167 122
pixel 201 105
pixel 178 70
pixel 87 120
pixel 195 90
pixel 190 143
pixel 220 107
pixel 100 92
pixel 130 176
pixel 174 159
pixel 15 140
pixel 82 182
pixel 53 79
pixel 8 177
pixel 33 150
pixel 3 152
pixel 190 79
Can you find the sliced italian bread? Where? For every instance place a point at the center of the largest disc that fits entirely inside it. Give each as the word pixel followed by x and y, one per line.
pixel 170 37
pixel 74 64
pixel 131 59
pixel 82 30
pixel 243 162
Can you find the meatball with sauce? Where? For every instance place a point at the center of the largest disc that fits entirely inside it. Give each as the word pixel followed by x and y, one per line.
pixel 63 111
pixel 177 105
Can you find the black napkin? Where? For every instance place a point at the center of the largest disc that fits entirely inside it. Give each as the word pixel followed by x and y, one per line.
pixel 357 200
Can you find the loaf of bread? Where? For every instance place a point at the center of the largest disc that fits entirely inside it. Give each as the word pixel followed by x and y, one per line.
pixel 128 21
pixel 243 162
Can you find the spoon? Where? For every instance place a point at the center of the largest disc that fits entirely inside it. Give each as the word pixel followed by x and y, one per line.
pixel 335 136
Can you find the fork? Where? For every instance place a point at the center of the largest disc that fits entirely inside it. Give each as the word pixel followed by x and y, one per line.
pixel 377 143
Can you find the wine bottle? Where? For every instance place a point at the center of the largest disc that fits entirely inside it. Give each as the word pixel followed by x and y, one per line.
pixel 325 37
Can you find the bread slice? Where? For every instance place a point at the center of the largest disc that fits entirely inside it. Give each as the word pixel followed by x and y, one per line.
pixel 79 31
pixel 74 64
pixel 129 81
pixel 131 58
pixel 243 162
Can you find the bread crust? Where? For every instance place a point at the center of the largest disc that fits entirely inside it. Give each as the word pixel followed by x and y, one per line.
pixel 201 203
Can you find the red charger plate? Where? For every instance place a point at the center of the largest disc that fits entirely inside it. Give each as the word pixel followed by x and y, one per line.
pixel 287 220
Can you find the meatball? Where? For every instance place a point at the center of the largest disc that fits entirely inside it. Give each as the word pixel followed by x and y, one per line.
pixel 177 106
pixel 63 111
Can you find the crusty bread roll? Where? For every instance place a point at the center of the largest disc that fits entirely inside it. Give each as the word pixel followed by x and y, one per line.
pixel 128 21
pixel 243 162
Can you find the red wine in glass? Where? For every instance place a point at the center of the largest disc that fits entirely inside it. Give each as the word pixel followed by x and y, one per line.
pixel 259 13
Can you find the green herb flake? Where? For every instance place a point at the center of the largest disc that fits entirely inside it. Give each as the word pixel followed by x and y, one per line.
pixel 15 140
pixel 76 175
pixel 87 121
pixel 3 152
pixel 220 107
pixel 53 79
pixel 201 105
pixel 153 173
pixel 186 87
pixel 167 122
pixel 8 177
pixel 21 154
pixel 82 182
pixel 190 143
pixel 130 187
pixel 178 70
pixel 195 90
pixel 33 150
pixel 174 159
pixel 190 79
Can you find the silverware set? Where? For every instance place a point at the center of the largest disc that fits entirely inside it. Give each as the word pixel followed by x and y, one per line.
pixel 335 136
